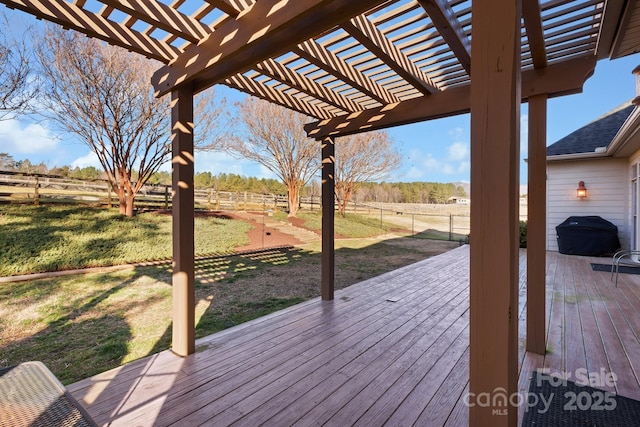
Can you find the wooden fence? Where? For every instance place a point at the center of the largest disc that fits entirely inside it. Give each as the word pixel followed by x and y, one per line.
pixel 449 222
pixel 35 188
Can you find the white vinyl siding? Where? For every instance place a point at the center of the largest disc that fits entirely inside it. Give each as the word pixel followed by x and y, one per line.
pixel 607 182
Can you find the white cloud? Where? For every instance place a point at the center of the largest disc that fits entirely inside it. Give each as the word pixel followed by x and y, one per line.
pixel 89 159
pixel 453 160
pixel 458 151
pixel 19 138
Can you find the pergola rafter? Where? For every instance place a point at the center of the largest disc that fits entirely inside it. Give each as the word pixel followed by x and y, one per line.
pixel 162 16
pixel 376 53
pixel 370 37
pixel 94 25
pixel 451 30
pixel 325 59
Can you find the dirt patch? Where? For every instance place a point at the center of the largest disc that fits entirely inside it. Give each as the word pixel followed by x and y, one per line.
pixel 296 272
pixel 262 236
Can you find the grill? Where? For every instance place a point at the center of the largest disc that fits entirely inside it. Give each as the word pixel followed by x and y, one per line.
pixel 587 235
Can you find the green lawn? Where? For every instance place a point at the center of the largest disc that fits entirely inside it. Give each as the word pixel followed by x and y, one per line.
pixel 51 238
pixel 84 324
pixel 350 225
pixel 80 325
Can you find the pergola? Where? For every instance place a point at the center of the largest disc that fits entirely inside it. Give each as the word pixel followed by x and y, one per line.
pixel 356 66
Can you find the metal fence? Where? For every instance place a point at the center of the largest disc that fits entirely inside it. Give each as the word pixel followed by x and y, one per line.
pixel 429 221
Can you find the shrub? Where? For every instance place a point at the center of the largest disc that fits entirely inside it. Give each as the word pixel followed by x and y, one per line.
pixel 523 234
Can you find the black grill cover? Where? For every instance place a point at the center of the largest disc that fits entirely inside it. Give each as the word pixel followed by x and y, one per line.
pixel 587 235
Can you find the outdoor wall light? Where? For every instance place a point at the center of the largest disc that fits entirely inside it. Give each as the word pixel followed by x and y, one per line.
pixel 581 191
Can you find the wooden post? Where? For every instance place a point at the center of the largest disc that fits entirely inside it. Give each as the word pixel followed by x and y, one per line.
pixel 495 158
pixel 36 193
pixel 536 224
pixel 166 197
pixel 328 212
pixel 183 221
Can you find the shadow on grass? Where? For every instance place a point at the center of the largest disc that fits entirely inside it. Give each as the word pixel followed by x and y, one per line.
pixel 92 333
pixel 433 234
pixel 77 338
pixel 39 233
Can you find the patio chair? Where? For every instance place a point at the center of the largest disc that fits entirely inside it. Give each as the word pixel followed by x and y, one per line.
pixel 619 256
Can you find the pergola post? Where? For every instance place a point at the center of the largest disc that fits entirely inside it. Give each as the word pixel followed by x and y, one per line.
pixel 536 224
pixel 328 219
pixel 495 157
pixel 183 211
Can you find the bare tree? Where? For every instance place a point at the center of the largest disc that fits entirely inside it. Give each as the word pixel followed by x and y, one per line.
pixel 274 137
pixel 102 94
pixel 16 89
pixel 360 158
pixel 7 162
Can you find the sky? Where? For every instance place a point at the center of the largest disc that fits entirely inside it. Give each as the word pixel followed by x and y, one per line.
pixel 435 151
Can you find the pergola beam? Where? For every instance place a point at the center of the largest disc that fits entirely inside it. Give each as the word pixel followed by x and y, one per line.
pixel 265 30
pixel 450 29
pixel 442 104
pixel 361 29
pixel 561 78
pixel 227 6
pixel 535 35
pixel 163 17
pixel 71 16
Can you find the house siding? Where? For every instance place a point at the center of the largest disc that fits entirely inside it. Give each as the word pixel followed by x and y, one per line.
pixel 607 182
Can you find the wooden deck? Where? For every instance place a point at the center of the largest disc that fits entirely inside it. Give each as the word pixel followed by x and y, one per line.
pixel 390 350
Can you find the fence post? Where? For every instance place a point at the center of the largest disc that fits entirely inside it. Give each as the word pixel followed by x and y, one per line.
pixel 209 200
pixel 36 193
pixel 109 205
pixel 413 221
pixel 166 197
pixel 450 227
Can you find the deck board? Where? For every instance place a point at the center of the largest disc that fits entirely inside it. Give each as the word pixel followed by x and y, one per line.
pixel 392 350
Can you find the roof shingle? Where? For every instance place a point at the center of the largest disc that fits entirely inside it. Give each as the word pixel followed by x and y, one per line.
pixel 598 133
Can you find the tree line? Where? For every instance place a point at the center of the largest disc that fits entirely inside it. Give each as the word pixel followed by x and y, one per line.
pixel 409 192
pixel 221 182
pixel 385 192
